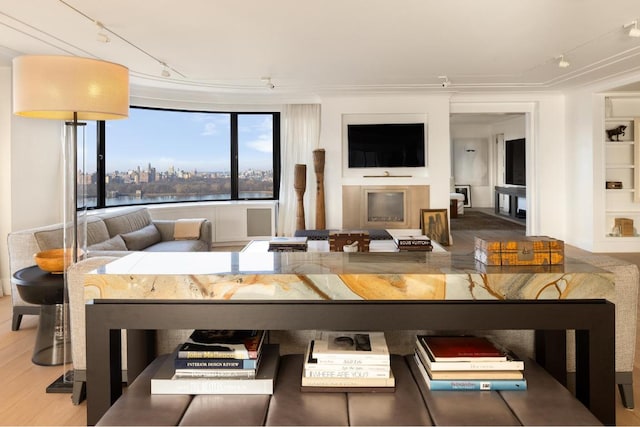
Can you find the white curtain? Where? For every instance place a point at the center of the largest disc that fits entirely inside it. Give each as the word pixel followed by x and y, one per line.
pixel 300 136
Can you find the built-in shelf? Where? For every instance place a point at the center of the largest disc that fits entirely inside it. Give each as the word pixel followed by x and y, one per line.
pixel 621 158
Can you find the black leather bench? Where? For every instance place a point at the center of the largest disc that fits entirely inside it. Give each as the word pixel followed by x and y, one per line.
pixel 545 402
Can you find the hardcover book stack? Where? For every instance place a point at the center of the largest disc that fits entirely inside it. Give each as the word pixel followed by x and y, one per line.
pixel 467 363
pixel 288 244
pixel 413 243
pixel 219 362
pixel 348 361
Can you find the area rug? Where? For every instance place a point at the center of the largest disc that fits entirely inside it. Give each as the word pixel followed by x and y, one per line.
pixel 476 220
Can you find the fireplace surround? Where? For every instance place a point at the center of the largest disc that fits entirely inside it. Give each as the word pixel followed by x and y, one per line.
pixel 383 206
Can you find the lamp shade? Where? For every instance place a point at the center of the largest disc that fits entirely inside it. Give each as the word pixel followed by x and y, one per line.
pixel 56 87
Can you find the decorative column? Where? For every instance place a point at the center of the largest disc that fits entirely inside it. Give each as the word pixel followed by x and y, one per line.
pixel 300 185
pixel 318 165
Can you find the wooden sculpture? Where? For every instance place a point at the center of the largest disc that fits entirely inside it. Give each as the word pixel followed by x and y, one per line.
pixel 318 165
pixel 300 185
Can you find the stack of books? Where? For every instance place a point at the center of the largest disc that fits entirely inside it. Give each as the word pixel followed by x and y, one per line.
pixel 219 362
pixel 288 244
pixel 348 361
pixel 467 363
pixel 413 243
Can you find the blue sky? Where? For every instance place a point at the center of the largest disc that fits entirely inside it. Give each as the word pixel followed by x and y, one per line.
pixel 186 140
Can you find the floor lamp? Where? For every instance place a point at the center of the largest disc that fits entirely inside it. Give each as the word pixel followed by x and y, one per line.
pixel 69 88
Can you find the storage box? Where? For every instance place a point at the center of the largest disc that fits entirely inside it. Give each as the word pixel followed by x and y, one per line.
pixel 338 239
pixel 624 226
pixel 529 250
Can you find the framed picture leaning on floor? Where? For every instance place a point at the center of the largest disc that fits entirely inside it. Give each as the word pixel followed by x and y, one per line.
pixel 465 190
pixel 435 224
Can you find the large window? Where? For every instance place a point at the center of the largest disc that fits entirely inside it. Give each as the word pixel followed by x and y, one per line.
pixel 159 156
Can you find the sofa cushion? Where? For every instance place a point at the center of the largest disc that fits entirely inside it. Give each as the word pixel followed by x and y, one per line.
pixel 115 243
pixel 142 238
pixel 96 231
pixel 49 239
pixel 52 237
pixel 126 221
pixel 179 246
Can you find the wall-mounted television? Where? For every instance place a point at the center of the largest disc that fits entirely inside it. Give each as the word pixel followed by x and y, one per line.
pixel 515 162
pixel 386 145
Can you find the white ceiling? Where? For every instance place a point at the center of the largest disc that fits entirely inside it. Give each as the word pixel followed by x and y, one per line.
pixel 336 46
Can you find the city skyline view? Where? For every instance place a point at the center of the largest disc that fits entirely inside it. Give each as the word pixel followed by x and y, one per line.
pixel 166 155
pixel 182 140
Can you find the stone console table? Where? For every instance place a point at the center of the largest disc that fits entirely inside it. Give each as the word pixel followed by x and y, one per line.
pixel 352 291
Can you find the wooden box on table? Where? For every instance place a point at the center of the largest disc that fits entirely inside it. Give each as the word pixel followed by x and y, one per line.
pixel 528 250
pixel 338 239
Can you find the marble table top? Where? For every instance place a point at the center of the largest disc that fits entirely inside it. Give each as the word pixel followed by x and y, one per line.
pixel 338 276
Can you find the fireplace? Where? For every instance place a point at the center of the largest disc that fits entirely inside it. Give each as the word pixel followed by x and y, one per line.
pixel 388 206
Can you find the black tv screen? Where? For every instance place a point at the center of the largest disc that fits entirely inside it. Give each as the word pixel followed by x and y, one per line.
pixel 386 145
pixel 515 162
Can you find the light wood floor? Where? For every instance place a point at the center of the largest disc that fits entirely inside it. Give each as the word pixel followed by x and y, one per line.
pixel 24 402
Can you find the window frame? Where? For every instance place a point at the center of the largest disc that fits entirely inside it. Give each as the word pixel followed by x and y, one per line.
pixel 102 138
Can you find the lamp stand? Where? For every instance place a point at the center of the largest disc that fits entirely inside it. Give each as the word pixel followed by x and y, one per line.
pixel 70 236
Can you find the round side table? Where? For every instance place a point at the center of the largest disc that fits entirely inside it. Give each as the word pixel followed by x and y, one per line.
pixel 37 286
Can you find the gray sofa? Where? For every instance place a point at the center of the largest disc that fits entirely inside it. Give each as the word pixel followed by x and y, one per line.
pixel 112 233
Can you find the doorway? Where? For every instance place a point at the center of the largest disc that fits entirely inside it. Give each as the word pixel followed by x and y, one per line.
pixel 478 157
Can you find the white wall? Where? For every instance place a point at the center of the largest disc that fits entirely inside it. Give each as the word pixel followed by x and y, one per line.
pixel 436 173
pixel 585 111
pixel 31 179
pixel 5 171
pixel 473 168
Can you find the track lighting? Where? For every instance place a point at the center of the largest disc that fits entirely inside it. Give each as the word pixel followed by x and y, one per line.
pixel 102 36
pixel 634 31
pixel 165 70
pixel 445 81
pixel 268 83
pixel 562 63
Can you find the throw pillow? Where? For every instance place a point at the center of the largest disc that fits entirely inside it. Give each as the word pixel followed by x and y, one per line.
pixel 141 239
pixel 113 244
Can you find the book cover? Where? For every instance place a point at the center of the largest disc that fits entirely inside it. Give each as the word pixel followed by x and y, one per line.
pixel 471 374
pixel 412 241
pixel 215 373
pixel 511 364
pixel 481 385
pixel 348 382
pixel 215 363
pixel 220 344
pixel 336 389
pixel 421 248
pixel 461 348
pixel 164 382
pixel 350 348
pixel 283 248
pixel 312 368
pixel 288 241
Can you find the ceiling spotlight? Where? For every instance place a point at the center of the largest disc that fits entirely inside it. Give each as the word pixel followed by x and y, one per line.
pixel 634 31
pixel 102 36
pixel 445 81
pixel 562 63
pixel 165 70
pixel 268 83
